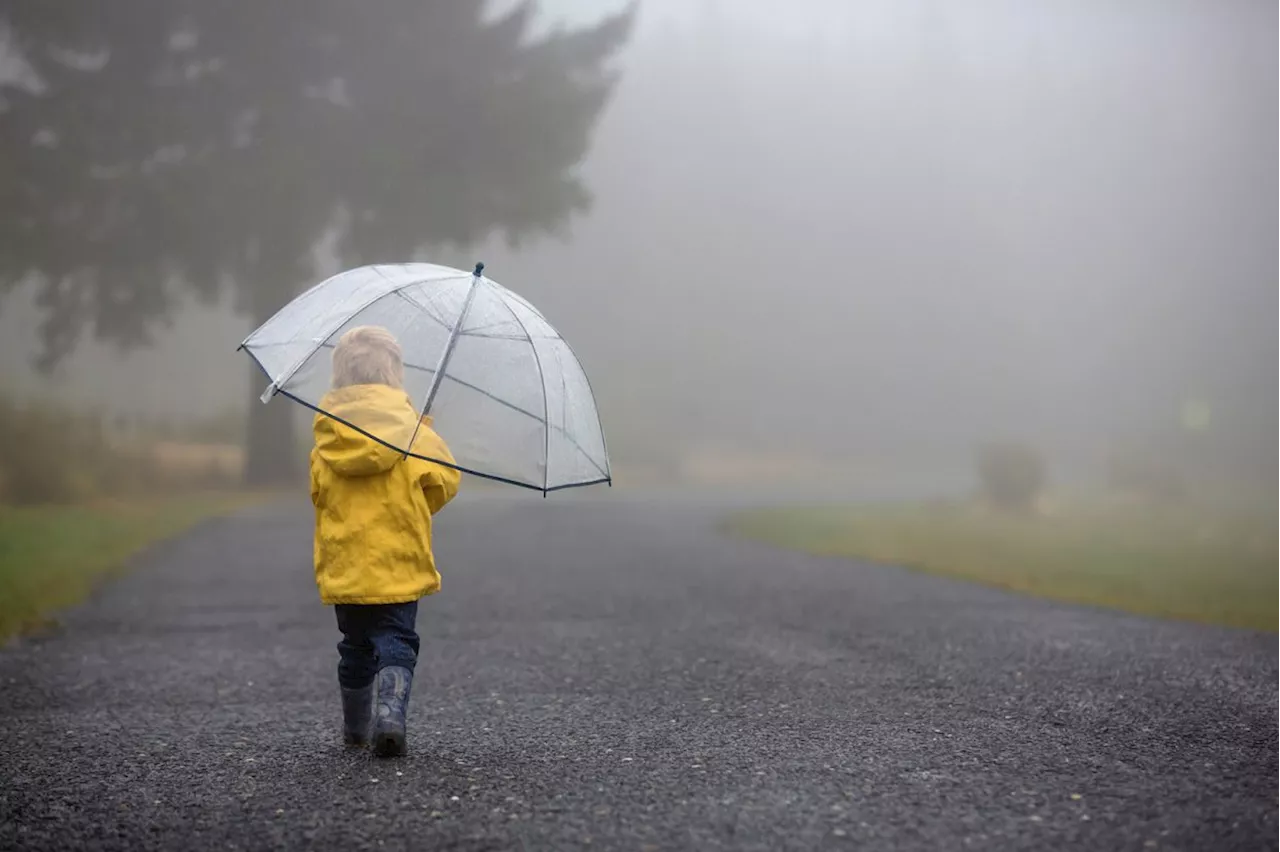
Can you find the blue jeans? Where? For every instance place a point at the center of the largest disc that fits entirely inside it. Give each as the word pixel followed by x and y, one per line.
pixel 375 636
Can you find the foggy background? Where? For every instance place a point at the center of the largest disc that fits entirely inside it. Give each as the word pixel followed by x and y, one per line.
pixel 866 236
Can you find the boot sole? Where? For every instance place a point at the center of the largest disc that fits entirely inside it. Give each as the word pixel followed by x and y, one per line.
pixel 388 745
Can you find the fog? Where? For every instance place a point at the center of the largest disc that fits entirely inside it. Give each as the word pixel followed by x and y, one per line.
pixel 877 233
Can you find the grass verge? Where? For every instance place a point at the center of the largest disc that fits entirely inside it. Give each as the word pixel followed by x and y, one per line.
pixel 52 557
pixel 1216 567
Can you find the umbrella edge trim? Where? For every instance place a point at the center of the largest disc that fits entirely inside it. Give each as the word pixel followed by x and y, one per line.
pixel 469 471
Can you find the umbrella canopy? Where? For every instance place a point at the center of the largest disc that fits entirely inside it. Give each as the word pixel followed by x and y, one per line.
pixel 502 387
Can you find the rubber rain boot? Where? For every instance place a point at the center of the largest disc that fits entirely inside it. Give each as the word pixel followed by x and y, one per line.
pixel 393 683
pixel 357 715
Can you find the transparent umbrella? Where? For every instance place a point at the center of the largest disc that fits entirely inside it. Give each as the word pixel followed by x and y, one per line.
pixel 501 386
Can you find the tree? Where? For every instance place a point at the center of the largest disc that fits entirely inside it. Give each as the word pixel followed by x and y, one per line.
pixel 1011 475
pixel 209 145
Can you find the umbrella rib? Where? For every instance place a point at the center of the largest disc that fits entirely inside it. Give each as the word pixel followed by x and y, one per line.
pixel 527 336
pixel 245 343
pixel 527 413
pixel 408 366
pixel 607 471
pixel 542 384
pixel 586 455
pixel 277 384
pixel 468 332
pixel 419 305
pixel 516 297
pixel 564 396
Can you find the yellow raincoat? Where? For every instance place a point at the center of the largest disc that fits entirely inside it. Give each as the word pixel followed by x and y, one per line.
pixel 374 505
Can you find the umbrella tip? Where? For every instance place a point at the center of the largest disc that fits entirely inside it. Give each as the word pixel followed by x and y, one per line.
pixel 479 269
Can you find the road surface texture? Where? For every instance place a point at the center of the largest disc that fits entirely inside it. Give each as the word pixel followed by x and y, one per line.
pixel 607 672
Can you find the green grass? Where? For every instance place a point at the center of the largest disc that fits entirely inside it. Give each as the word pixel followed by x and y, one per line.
pixel 51 557
pixel 1209 566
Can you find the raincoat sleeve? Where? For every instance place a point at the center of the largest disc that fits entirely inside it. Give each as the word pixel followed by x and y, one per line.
pixel 439 482
pixel 315 481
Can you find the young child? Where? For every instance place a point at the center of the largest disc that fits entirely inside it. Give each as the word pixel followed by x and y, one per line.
pixel 374 507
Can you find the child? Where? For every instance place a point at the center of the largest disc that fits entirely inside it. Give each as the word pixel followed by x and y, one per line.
pixel 373 530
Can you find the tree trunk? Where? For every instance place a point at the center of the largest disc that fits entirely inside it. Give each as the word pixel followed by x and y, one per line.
pixel 272 455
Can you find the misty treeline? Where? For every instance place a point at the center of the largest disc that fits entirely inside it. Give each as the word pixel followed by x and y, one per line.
pixel 905 231
pixel 917 228
pixel 211 145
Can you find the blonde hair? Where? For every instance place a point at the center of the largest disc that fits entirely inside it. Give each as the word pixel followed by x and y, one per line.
pixel 368 355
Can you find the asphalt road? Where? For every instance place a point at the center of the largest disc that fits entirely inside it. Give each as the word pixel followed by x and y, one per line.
pixel 607 672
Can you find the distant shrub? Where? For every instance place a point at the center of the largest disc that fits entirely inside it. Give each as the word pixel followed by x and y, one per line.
pixel 37 447
pixel 52 454
pixel 195 464
pixel 1141 475
pixel 1010 475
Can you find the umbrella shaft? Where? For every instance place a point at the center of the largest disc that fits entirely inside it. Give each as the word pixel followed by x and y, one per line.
pixel 448 348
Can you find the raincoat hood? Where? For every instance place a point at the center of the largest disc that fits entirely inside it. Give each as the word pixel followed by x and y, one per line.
pixel 378 409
